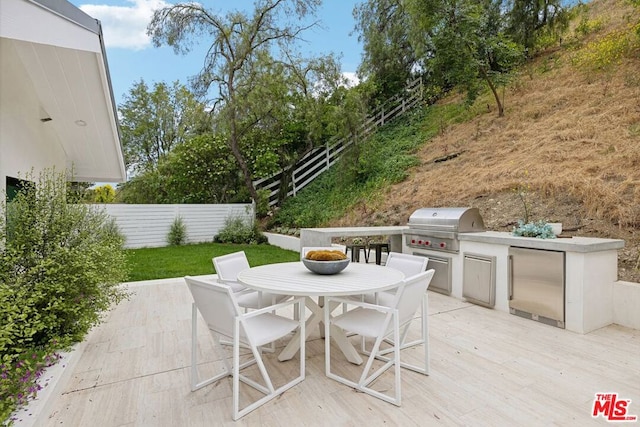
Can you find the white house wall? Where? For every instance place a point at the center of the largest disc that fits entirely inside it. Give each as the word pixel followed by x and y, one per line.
pixel 149 225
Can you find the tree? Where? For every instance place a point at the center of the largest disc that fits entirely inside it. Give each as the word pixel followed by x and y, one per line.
pixel 389 58
pixel 154 122
pixel 102 194
pixel 528 19
pixel 239 62
pixel 463 44
pixel 201 170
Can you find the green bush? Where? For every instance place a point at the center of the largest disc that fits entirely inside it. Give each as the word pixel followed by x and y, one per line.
pixel 61 266
pixel 607 51
pixel 177 233
pixel 236 230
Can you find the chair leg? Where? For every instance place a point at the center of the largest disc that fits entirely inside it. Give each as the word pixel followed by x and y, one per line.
pixel 381 355
pixel 365 379
pixel 268 389
pixel 195 385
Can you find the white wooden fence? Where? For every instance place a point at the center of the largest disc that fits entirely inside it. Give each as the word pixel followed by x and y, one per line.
pixel 320 159
pixel 149 225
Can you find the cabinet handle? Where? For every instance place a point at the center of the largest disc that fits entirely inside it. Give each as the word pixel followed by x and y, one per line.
pixel 510 275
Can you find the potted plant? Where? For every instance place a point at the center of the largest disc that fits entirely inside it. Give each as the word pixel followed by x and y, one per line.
pixel 539 229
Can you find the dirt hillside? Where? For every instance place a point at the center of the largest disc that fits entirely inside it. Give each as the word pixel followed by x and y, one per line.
pixel 567 150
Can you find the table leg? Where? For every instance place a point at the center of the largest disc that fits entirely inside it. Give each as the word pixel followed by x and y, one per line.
pixel 313 321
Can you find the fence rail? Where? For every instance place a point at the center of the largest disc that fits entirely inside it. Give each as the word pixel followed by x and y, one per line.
pixel 320 159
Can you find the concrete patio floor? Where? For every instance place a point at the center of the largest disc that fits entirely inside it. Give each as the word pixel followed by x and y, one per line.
pixel 488 368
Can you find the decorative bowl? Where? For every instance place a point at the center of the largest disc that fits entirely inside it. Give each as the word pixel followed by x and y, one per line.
pixel 326 267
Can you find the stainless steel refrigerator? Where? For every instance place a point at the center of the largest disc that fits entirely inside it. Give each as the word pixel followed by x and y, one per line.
pixel 536 285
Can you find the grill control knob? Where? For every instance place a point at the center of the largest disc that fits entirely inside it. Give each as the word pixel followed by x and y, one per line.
pixel 443 245
pixel 413 241
pixel 427 243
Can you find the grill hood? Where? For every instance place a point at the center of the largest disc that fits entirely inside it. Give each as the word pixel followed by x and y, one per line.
pixel 456 220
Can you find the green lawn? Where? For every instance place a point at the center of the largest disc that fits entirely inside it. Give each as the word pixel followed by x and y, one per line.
pixel 179 261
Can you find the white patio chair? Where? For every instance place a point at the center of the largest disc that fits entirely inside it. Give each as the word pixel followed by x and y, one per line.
pixel 381 322
pixel 227 268
pixel 410 265
pixel 218 306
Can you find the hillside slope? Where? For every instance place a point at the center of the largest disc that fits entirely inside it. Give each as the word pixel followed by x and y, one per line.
pixel 567 150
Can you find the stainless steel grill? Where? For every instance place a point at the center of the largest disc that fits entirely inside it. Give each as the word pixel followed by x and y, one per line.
pixel 437 228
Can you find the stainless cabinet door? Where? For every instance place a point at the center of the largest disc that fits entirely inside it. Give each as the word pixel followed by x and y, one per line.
pixel 537 282
pixel 479 279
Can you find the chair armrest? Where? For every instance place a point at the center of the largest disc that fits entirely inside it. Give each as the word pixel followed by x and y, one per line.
pixel 271 308
pixel 235 286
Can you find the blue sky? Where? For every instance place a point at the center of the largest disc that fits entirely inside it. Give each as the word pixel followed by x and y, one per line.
pixel 131 55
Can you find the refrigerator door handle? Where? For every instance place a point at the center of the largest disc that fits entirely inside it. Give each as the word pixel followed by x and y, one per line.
pixel 510 276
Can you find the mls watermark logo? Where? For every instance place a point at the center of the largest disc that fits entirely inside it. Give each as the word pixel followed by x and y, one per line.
pixel 611 408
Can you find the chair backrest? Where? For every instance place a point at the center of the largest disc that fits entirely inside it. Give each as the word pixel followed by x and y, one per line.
pixel 228 266
pixel 409 295
pixel 306 249
pixel 216 304
pixel 409 264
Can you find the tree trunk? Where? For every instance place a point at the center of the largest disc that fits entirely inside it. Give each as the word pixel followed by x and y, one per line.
pixel 496 96
pixel 246 173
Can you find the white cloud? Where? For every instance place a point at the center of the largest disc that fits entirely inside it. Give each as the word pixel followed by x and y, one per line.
pixel 351 78
pixel 125 26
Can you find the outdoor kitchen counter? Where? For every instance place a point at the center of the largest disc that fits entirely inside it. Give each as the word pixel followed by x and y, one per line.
pixel 568 244
pixel 323 236
pixel 591 268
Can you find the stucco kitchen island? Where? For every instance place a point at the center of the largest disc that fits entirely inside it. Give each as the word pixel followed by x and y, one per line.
pixel 590 270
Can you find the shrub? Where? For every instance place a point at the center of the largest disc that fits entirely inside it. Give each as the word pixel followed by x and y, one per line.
pixel 177 233
pixel 588 26
pixel 61 266
pixel 236 230
pixel 606 52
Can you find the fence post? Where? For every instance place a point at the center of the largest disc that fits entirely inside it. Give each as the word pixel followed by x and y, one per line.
pixel 293 181
pixel 327 159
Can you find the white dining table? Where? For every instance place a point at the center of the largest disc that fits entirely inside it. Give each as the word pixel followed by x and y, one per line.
pixel 293 278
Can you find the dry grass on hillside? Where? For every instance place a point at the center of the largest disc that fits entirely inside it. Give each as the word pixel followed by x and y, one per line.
pixel 569 138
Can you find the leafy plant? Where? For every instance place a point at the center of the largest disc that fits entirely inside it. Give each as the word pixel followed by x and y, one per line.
pixel 236 230
pixel 61 266
pixel 606 52
pixel 588 26
pixel 539 229
pixel 177 233
pixel 522 191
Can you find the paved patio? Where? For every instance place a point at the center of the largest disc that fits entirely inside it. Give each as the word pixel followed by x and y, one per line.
pixel 488 368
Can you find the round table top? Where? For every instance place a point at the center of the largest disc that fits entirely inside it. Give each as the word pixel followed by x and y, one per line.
pixel 293 278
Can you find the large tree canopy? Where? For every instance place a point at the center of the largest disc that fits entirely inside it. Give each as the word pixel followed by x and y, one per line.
pixel 155 121
pixel 468 44
pixel 253 80
pixel 388 55
pixel 463 43
pixel 528 19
